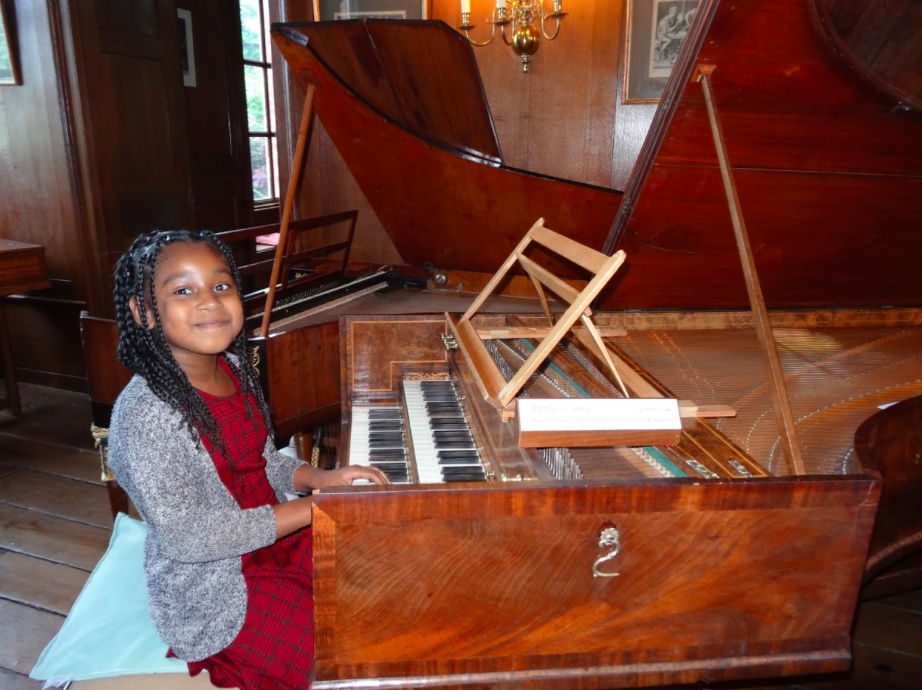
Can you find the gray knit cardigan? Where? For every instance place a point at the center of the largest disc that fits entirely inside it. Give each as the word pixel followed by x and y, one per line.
pixel 197 532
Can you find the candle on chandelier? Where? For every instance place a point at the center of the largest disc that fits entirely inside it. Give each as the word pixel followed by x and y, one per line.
pixel 500 4
pixel 465 6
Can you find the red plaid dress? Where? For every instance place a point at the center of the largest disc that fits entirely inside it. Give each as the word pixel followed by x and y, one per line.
pixel 275 647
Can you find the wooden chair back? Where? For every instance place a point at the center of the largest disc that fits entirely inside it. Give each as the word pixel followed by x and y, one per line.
pixel 317 248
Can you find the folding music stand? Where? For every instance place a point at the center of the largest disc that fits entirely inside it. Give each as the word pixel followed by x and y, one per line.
pixel 495 389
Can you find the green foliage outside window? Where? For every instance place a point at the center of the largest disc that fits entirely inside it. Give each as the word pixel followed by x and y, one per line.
pixel 256 78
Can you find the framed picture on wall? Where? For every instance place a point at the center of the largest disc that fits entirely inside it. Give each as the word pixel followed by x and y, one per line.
pixel 9 60
pixel 653 33
pixel 327 10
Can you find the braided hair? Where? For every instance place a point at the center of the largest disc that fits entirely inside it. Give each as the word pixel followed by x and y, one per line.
pixel 146 352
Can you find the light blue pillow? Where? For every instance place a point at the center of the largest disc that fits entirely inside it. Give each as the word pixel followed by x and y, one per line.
pixel 109 631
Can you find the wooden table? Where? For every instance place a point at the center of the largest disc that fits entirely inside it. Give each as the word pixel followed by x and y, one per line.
pixel 22 268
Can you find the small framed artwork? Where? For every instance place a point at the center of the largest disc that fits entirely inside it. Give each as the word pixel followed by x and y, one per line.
pixel 327 10
pixel 654 32
pixel 9 58
pixel 186 47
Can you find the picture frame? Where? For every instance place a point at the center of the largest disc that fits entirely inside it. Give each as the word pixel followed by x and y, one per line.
pixel 186 46
pixel 335 10
pixel 10 73
pixel 653 33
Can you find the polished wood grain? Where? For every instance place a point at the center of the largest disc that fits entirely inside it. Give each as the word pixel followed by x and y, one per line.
pixel 494 572
pixel 302 367
pixel 881 41
pixel 559 119
pixel 889 444
pixel 22 268
pixel 215 116
pixel 429 181
pixel 51 537
pixel 105 374
pixel 883 648
pixel 44 557
pixel 38 583
pixel 53 458
pixel 128 127
pixel 20 652
pixel 521 596
pixel 40 204
pixel 827 168
pixel 387 65
pixel 75 500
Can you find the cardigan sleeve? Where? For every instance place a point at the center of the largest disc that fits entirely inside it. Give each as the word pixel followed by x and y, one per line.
pixel 280 469
pixel 177 490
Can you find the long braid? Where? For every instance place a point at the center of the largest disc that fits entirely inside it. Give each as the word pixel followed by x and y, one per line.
pixel 249 380
pixel 146 352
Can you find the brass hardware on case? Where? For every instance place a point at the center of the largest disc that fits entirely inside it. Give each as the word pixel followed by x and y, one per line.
pixel 253 354
pixel 608 538
pixel 449 342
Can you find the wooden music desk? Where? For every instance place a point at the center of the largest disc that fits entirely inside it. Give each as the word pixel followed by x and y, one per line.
pixel 22 268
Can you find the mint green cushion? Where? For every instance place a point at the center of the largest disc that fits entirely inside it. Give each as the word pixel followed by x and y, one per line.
pixel 109 631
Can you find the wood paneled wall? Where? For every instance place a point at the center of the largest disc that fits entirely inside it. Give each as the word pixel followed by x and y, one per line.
pixel 40 204
pixel 563 118
pixel 327 186
pixel 102 142
pixel 215 111
pixel 559 118
pixel 98 154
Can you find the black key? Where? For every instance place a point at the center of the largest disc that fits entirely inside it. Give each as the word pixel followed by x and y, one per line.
pixel 383 445
pixel 452 437
pixel 446 414
pixel 465 478
pixel 460 460
pixel 389 466
pixel 385 413
pixel 448 424
pixel 446 445
pixel 454 469
pixel 388 454
pixel 456 419
pixel 388 442
pixel 455 453
pixel 433 385
pixel 385 436
pixel 442 407
pixel 385 423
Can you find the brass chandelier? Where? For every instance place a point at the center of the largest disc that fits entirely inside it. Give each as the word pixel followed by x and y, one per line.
pixel 525 17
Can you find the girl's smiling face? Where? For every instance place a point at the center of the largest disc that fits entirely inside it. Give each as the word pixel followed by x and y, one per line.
pixel 200 309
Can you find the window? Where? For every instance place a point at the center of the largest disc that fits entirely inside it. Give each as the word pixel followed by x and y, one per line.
pixel 257 72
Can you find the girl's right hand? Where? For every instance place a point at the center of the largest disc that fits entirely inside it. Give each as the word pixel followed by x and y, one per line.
pixel 344 476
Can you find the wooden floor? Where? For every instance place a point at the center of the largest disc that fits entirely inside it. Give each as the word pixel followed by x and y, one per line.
pixel 55 525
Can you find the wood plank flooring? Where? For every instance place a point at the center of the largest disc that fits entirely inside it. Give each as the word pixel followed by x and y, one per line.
pixel 55 525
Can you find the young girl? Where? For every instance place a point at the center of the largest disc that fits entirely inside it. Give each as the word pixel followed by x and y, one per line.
pixel 228 561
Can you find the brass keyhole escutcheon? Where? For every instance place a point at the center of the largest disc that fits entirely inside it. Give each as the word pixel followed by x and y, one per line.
pixel 609 538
